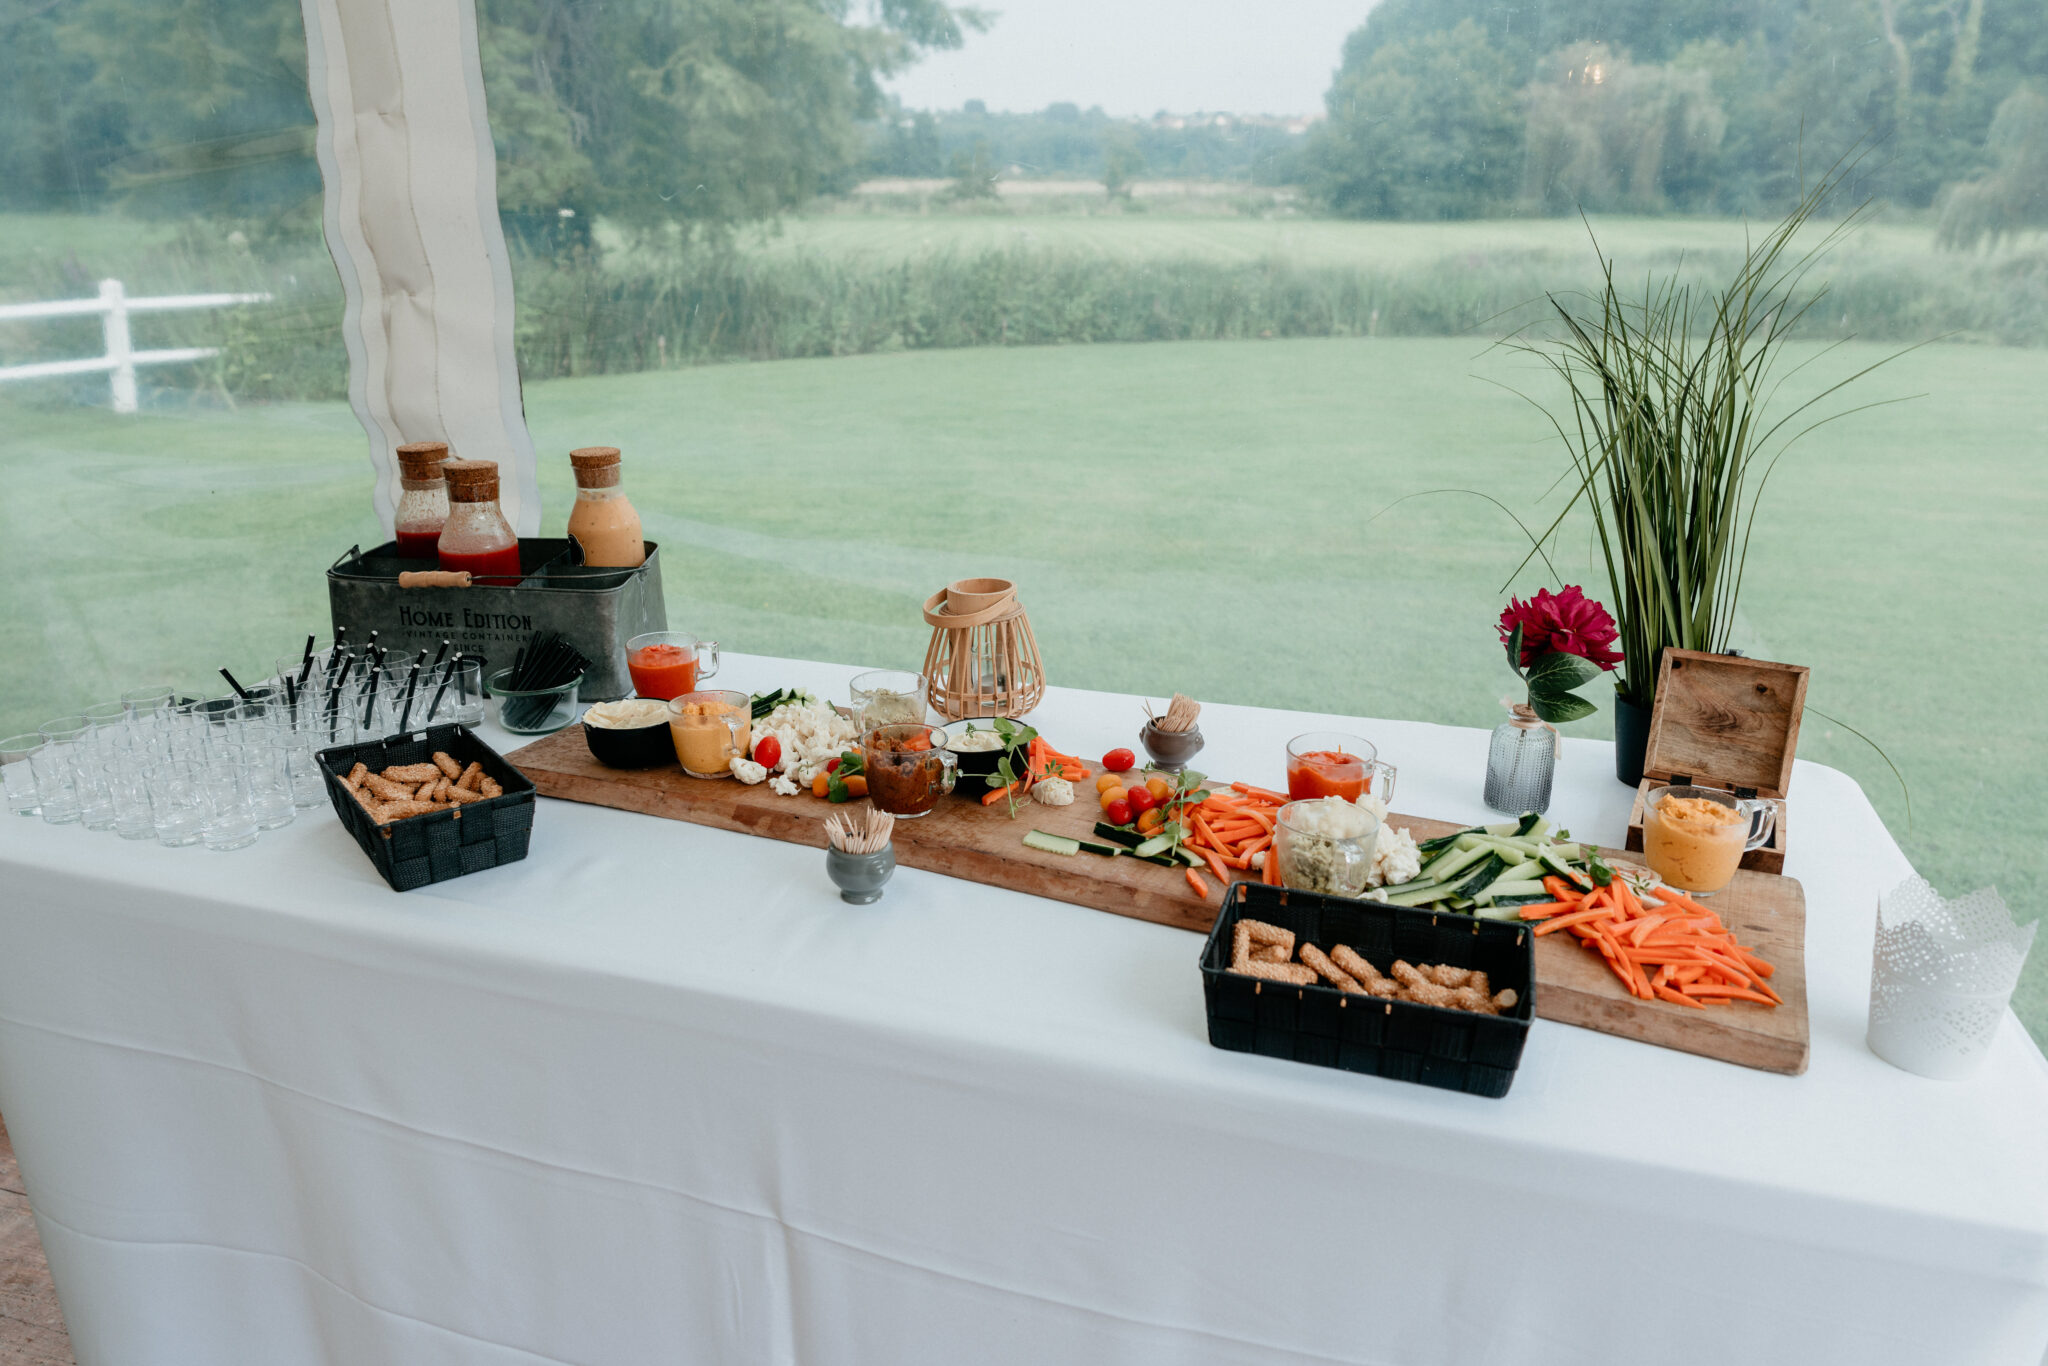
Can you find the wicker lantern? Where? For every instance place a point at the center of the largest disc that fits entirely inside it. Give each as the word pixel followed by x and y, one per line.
pixel 983 659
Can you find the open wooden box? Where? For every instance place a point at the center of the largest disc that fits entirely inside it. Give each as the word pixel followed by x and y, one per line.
pixel 1726 722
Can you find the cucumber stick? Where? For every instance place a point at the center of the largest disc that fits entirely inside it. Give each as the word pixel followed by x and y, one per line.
pixel 1052 844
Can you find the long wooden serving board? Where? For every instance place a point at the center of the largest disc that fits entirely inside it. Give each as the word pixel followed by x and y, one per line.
pixel 965 839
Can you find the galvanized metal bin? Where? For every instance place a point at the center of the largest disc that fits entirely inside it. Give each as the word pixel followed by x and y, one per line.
pixel 596 610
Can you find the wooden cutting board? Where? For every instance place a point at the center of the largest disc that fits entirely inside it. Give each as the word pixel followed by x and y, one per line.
pixel 967 840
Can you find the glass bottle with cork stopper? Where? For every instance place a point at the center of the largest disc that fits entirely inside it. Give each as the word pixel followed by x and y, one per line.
pixel 603 522
pixel 422 498
pixel 477 537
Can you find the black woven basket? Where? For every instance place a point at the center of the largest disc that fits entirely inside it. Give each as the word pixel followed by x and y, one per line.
pixel 441 844
pixel 1458 1050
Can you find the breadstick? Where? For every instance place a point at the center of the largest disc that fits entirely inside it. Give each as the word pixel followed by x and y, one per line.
pixel 398 811
pixel 444 761
pixel 355 776
pixel 1294 974
pixel 1318 960
pixel 1417 987
pixel 385 788
pixel 1505 1000
pixel 1444 975
pixel 462 796
pixel 1240 945
pixel 367 801
pixel 489 787
pixel 1269 953
pixel 1368 976
pixel 471 776
pixel 413 774
pixel 1262 933
pixel 425 791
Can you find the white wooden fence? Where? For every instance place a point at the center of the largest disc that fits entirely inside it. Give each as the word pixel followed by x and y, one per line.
pixel 113 305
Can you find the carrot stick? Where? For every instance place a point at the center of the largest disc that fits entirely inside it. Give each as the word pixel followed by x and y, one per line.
pixel 1546 909
pixel 1562 890
pixel 1576 917
pixel 1265 794
pixel 1272 868
pixel 1215 866
pixel 1201 887
pixel 1712 989
pixel 1679 998
pixel 990 799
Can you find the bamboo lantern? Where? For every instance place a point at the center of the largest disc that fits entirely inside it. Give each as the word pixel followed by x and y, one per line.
pixel 983 659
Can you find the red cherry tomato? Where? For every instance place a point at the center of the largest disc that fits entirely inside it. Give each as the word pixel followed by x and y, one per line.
pixel 769 752
pixel 1119 761
pixel 831 764
pixel 1118 812
pixel 1140 800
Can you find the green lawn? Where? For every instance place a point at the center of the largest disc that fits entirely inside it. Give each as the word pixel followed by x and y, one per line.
pixel 807 507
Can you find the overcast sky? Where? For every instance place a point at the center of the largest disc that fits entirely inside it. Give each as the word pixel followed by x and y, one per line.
pixel 1136 57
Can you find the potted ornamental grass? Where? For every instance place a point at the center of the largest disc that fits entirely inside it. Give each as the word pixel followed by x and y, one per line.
pixel 1673 435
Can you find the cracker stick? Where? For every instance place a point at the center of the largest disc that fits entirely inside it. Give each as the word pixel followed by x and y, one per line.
pixel 1294 974
pixel 471 776
pixel 386 789
pixel 1368 976
pixel 1318 960
pixel 413 774
pixel 1262 933
pixel 444 761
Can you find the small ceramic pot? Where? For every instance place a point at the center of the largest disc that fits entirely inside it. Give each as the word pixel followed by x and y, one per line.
pixel 1170 749
pixel 859 877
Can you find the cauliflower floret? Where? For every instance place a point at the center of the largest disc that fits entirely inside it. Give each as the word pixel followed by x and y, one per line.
pixel 782 786
pixel 1053 792
pixel 1396 858
pixel 746 770
pixel 1373 804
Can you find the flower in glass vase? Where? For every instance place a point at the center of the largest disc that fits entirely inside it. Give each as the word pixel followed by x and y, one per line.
pixel 1555 642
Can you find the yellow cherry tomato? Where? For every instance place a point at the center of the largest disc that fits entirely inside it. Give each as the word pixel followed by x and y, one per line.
pixel 1159 788
pixel 1107 781
pixel 1151 822
pixel 1110 794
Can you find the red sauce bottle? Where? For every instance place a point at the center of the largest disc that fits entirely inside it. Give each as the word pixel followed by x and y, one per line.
pixel 476 536
pixel 422 499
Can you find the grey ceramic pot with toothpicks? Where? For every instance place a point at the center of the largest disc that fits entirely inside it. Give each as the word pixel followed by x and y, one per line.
pixel 860 877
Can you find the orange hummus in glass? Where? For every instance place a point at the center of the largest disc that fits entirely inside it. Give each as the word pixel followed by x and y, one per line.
pixel 1693 843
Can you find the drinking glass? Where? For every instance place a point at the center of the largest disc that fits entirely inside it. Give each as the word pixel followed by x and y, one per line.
pixel 105 714
pixel 908 768
pixel 887 697
pixel 710 729
pixel 148 701
pixel 1694 837
pixel 230 821
pixel 1326 845
pixel 668 664
pixel 308 776
pixel 457 694
pixel 1331 763
pixel 55 767
pixel 18 775
pixel 65 779
pixel 128 782
pixel 177 802
pixel 410 688
pixel 266 766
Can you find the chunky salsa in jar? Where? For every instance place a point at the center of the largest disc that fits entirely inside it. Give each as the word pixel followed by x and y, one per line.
pixel 663 670
pixel 908 768
pixel 1327 773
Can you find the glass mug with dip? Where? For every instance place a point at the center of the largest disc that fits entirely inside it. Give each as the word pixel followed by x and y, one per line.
pixel 883 697
pixel 710 730
pixel 667 664
pixel 1694 837
pixel 1329 763
pixel 908 768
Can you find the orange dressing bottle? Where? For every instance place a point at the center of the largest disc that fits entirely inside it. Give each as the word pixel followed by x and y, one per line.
pixel 603 522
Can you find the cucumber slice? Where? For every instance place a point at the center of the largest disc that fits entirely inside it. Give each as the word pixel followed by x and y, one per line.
pixel 1419 884
pixel 1442 842
pixel 1416 896
pixel 1104 850
pixel 1529 900
pixel 1531 824
pixel 1513 827
pixel 1190 857
pixel 1116 834
pixel 1530 870
pixel 1559 863
pixel 1158 844
pixel 1503 888
pixel 1052 844
pixel 1497 911
pixel 1482 877
pixel 1447 865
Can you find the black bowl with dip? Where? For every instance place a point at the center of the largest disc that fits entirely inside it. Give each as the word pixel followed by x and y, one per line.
pixel 979 764
pixel 647 745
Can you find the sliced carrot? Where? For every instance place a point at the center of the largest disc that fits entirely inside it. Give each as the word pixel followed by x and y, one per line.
pixel 1201 887
pixel 1710 989
pixel 1271 871
pixel 1575 918
pixel 1678 998
pixel 1562 890
pixel 1262 793
pixel 1545 909
pixel 991 798
pixel 1215 866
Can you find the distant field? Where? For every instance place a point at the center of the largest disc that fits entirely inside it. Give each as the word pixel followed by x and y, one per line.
pixel 806 508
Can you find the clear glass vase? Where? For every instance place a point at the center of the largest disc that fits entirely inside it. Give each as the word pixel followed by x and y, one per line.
pixel 1521 764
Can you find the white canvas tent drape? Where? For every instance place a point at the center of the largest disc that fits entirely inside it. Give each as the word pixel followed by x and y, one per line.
pixel 412 221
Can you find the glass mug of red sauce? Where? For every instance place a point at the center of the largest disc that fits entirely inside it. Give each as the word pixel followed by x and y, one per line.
pixel 667 664
pixel 1330 763
pixel 908 767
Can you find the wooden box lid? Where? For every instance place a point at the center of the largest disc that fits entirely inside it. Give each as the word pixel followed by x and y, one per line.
pixel 1726 721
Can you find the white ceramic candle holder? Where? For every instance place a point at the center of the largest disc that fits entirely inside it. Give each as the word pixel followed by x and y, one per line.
pixel 1942 977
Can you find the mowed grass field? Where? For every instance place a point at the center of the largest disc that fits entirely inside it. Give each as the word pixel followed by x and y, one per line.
pixel 1182 516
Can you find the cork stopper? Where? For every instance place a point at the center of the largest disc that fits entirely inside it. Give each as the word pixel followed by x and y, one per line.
pixel 471 481
pixel 597 467
pixel 422 459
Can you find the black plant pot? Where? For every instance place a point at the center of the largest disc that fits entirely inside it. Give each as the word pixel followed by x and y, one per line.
pixel 1631 740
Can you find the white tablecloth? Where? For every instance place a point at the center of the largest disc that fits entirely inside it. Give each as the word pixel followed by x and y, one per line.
pixel 655 1094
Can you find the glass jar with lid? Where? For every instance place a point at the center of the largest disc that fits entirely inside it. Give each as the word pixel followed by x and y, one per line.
pixel 476 536
pixel 422 499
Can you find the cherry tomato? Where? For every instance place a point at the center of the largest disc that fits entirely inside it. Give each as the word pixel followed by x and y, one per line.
pixel 1119 761
pixel 831 764
pixel 1141 800
pixel 1109 794
pixel 1152 822
pixel 1159 788
pixel 769 752
pixel 1118 812
pixel 1107 781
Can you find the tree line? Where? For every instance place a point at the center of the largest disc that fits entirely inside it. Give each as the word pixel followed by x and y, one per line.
pixel 691 116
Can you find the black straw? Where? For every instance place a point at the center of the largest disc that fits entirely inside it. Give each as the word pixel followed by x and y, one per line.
pixel 240 691
pixel 411 682
pixel 306 664
pixel 448 672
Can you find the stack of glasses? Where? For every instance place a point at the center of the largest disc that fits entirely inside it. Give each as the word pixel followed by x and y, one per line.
pixel 217 772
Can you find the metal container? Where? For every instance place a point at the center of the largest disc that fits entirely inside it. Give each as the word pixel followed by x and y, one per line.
pixel 596 610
